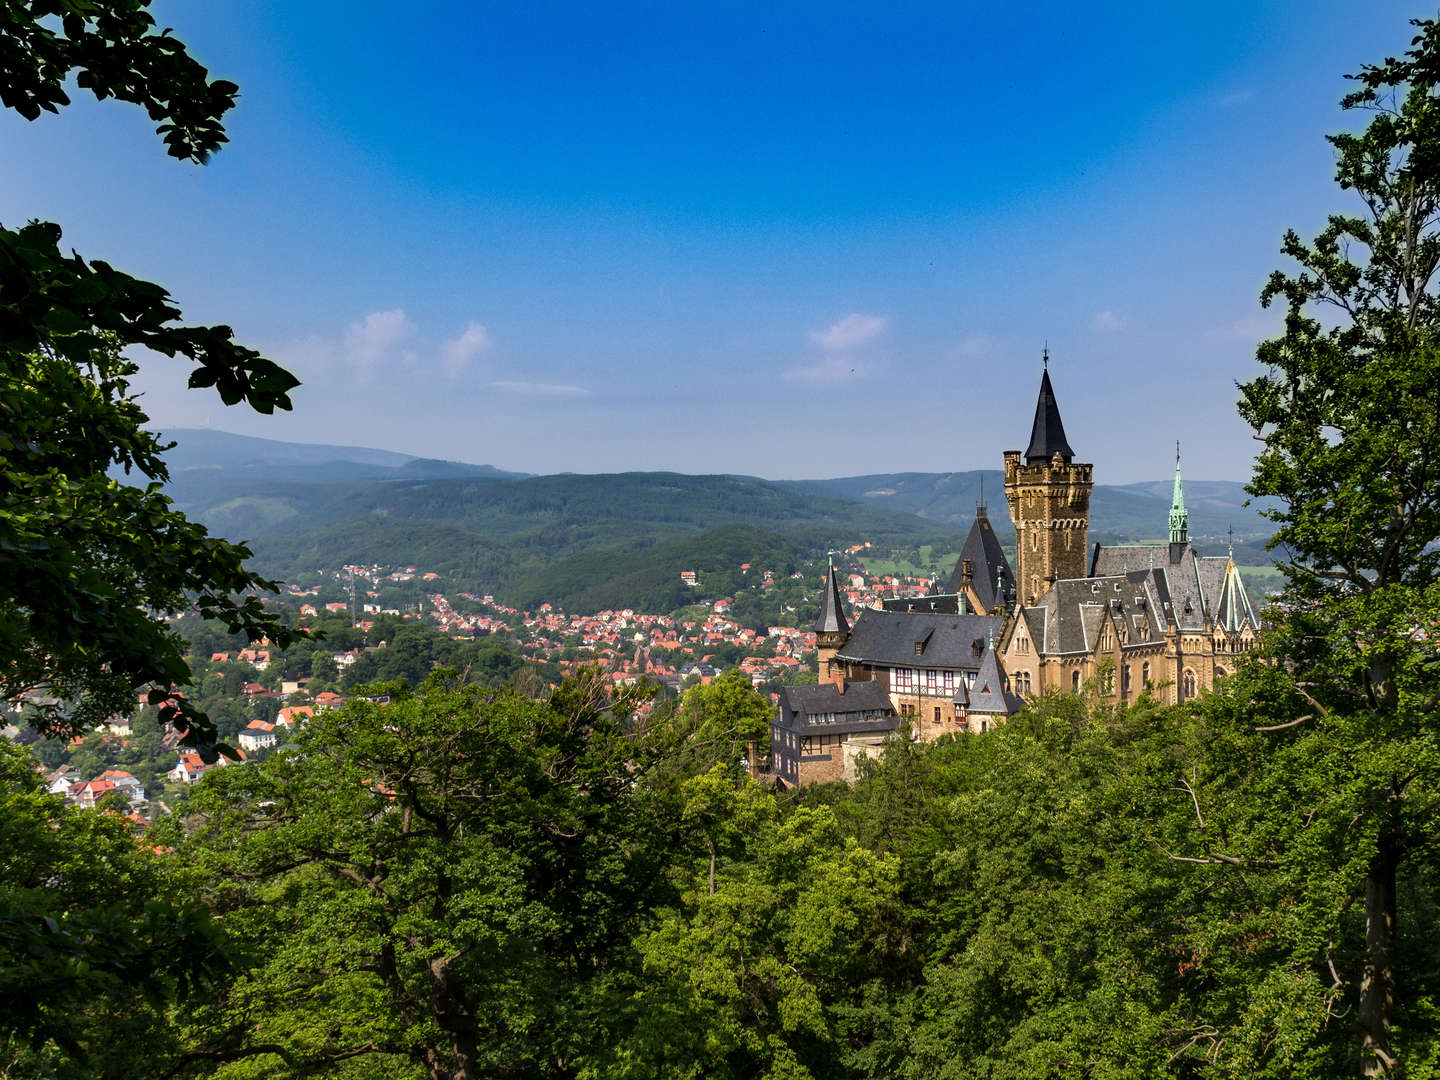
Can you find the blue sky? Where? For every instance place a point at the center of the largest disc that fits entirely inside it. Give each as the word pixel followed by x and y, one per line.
pixel 815 240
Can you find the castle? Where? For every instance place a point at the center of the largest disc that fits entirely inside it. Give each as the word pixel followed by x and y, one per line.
pixel 1119 621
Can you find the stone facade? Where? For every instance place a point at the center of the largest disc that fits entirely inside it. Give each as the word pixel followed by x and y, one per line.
pixel 1050 506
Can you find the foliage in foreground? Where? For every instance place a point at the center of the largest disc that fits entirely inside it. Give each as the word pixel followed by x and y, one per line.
pixel 468 883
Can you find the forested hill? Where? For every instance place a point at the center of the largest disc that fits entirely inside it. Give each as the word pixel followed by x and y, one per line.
pixel 1129 511
pixel 577 541
pixel 595 541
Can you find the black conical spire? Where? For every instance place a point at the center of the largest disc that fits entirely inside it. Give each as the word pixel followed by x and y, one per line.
pixel 831 619
pixel 1047 437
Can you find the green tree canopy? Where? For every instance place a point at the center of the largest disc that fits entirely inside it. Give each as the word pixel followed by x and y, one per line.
pixel 441 884
pixel 1348 415
pixel 92 565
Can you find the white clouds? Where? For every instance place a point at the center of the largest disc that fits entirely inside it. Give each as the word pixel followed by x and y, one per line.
pixel 1107 322
pixel 385 341
pixel 830 369
pixel 372 339
pixel 534 389
pixel 850 332
pixel 458 353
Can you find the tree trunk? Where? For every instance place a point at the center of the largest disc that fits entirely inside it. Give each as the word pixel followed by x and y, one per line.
pixel 1377 983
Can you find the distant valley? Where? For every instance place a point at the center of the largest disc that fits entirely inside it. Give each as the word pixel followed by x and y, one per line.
pixel 592 541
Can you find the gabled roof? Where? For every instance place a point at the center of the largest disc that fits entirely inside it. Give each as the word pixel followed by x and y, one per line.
pixel 1177 584
pixel 890 638
pixel 1047 435
pixel 1075 609
pixel 991 693
pixel 1190 588
pixel 987 562
pixel 855 709
pixel 831 619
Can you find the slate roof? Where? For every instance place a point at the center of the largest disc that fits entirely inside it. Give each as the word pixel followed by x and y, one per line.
pixel 798 704
pixel 991 693
pixel 888 638
pixel 987 560
pixel 831 619
pixel 1047 435
pixel 935 604
pixel 1073 610
pixel 1193 585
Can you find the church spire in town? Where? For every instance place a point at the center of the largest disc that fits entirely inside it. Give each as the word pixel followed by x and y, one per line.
pixel 1047 435
pixel 1179 518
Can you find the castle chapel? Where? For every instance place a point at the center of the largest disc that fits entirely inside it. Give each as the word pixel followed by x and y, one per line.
pixel 1118 621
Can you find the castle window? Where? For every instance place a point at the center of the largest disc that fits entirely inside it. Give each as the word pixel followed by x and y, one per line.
pixel 949 680
pixel 1145 673
pixel 930 680
pixel 1075 681
pixel 1125 680
pixel 937 714
pixel 1034 540
pixel 1189 683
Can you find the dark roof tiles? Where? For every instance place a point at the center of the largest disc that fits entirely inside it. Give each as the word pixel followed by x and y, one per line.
pixel 890 638
pixel 831 619
pixel 1047 435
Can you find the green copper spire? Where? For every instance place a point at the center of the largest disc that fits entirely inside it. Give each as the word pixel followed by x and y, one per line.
pixel 1179 519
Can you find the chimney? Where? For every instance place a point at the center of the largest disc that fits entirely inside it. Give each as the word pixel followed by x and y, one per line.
pixel 837 677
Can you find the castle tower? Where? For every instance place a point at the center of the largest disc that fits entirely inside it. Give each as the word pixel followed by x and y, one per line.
pixel 1049 497
pixel 831 626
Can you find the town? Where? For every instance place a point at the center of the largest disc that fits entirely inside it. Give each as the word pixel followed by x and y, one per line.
pixel 262 696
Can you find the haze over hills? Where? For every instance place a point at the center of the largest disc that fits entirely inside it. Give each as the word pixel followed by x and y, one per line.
pixel 585 540
pixel 1129 511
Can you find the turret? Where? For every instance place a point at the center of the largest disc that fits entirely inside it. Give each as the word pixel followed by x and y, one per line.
pixel 831 626
pixel 1179 519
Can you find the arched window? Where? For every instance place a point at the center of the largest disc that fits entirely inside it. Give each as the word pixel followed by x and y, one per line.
pixel 1189 682
pixel 1125 680
pixel 1075 681
pixel 1145 673
pixel 1220 673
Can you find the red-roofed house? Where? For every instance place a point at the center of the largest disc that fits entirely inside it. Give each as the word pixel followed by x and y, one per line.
pixel 257 735
pixel 189 769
